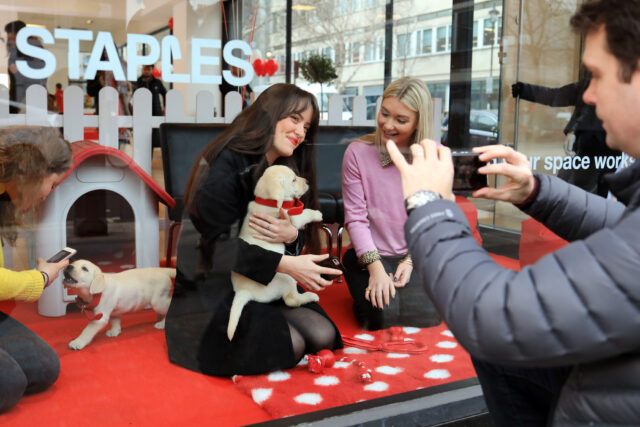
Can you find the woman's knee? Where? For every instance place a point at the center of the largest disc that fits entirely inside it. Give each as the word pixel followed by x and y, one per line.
pixel 47 372
pixel 13 382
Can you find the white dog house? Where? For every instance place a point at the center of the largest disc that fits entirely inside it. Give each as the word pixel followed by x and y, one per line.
pixel 109 170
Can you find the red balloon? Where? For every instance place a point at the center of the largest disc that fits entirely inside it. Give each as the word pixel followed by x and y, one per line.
pixel 156 73
pixel 259 67
pixel 171 23
pixel 271 66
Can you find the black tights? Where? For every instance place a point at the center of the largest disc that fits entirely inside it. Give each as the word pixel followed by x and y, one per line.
pixel 310 331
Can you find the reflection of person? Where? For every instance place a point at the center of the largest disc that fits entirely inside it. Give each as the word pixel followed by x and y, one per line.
pixel 378 266
pixel 245 91
pixel 149 81
pixel 18 83
pixel 59 98
pixel 279 128
pixel 107 78
pixel 584 125
pixel 577 307
pixel 32 161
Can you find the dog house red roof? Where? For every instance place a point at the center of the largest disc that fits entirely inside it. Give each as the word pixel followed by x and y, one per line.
pixel 82 150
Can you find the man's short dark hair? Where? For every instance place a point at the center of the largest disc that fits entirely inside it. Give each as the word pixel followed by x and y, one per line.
pixel 621 20
pixel 14 26
pixel 58 85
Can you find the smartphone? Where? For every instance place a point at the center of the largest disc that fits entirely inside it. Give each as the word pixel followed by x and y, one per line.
pixel 331 262
pixel 64 253
pixel 466 177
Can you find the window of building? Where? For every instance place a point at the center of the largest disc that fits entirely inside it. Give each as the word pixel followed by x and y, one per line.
pixel 402 45
pixel 426 45
pixel 442 39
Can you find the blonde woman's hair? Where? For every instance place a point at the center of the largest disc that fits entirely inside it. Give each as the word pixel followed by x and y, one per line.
pixel 414 94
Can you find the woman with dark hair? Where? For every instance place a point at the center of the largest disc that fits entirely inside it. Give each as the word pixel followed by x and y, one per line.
pixel 32 161
pixel 279 128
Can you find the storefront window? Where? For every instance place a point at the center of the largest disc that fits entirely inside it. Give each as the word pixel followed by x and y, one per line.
pixel 184 43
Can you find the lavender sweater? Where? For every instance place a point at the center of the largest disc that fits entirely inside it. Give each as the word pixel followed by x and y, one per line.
pixel 373 203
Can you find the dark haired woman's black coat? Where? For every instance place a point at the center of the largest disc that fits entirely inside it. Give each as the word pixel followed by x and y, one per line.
pixel 209 249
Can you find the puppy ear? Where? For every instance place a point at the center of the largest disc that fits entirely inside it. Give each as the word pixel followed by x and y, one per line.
pixel 97 284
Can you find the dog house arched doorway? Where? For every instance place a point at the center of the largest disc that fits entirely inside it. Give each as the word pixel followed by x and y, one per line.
pixel 100 225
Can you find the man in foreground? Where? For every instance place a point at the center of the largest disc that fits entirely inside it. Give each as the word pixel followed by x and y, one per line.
pixel 577 307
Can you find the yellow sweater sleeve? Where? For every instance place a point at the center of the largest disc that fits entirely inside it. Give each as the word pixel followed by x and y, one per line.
pixel 20 285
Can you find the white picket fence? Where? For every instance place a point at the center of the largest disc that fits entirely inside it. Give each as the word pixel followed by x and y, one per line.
pixel 74 121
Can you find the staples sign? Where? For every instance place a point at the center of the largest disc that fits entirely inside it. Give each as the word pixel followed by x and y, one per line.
pixel 104 42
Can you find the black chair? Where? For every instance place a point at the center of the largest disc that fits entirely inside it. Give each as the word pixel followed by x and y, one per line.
pixel 331 143
pixel 181 143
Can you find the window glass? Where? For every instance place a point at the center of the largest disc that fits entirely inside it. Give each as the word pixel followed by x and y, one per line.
pixel 186 41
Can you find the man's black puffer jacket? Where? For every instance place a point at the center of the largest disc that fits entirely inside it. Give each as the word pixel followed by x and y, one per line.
pixel 577 306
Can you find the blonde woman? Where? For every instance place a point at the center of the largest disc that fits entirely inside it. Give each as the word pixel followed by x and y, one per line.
pixel 32 161
pixel 379 267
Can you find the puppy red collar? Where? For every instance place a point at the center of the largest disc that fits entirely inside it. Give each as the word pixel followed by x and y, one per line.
pixel 293 207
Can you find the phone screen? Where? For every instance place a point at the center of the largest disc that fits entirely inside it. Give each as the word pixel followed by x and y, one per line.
pixel 466 177
pixel 59 256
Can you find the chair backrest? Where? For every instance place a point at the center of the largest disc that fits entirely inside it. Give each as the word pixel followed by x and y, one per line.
pixel 181 143
pixel 331 143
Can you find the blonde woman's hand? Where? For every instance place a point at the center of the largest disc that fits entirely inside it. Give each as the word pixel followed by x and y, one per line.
pixel 380 289
pixel 273 230
pixel 403 274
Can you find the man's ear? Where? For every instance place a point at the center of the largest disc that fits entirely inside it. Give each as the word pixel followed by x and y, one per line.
pixel 97 285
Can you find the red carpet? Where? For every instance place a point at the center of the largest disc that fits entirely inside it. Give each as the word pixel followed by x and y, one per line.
pixel 128 380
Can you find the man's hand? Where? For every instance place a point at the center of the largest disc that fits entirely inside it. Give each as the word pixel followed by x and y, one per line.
pixel 431 169
pixel 520 181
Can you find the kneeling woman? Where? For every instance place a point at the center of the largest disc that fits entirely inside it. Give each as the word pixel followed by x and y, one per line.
pixel 278 128
pixel 379 268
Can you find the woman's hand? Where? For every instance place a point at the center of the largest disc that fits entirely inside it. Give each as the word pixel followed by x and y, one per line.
pixel 304 270
pixel 516 168
pixel 273 230
pixel 380 286
pixel 51 268
pixel 403 274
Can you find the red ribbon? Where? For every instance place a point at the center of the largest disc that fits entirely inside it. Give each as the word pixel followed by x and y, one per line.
pixel 396 344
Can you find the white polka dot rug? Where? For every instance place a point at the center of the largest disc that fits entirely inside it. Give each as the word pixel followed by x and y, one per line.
pixel 298 390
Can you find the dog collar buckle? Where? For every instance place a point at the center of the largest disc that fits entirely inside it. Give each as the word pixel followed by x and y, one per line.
pixel 89 314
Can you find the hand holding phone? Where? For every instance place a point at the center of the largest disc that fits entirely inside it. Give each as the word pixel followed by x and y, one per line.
pixel 64 253
pixel 466 177
pixel 331 262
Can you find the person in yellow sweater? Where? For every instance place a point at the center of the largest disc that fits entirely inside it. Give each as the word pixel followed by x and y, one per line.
pixel 32 161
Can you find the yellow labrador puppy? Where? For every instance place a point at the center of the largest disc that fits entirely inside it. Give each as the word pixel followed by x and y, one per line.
pixel 278 187
pixel 124 292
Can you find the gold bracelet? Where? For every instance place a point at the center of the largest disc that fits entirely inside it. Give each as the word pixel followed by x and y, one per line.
pixel 369 257
pixel 407 259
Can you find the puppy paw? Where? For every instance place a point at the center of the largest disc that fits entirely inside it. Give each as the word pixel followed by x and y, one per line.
pixel 159 325
pixel 77 344
pixel 316 216
pixel 113 332
pixel 310 297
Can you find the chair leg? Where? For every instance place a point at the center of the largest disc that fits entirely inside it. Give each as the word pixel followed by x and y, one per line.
pixel 339 248
pixel 169 254
pixel 329 235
